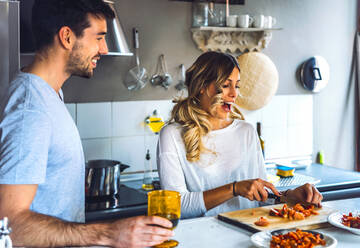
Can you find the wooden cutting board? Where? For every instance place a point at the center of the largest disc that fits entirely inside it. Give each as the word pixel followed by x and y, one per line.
pixel 245 219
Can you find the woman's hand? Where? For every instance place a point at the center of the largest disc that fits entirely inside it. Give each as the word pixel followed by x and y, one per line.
pixel 306 193
pixel 254 189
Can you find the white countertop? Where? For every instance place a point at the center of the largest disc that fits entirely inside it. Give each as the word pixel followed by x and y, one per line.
pixel 210 232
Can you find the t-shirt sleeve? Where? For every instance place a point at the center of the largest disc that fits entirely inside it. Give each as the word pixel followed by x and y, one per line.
pixel 24 142
pixel 172 176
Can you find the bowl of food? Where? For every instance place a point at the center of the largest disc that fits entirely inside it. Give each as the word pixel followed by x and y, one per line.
pixel 287 238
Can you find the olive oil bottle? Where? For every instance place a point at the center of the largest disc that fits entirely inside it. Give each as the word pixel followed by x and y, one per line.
pixel 148 179
pixel 262 141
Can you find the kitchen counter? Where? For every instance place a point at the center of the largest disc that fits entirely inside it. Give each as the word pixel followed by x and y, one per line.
pixel 210 232
pixel 335 184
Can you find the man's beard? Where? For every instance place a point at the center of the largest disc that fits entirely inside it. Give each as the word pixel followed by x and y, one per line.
pixel 77 65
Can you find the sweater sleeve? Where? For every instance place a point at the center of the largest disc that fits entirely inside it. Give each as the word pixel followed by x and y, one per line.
pixel 172 175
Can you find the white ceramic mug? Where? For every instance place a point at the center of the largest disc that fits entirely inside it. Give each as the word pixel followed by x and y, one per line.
pixel 244 21
pixel 269 21
pixel 231 20
pixel 259 21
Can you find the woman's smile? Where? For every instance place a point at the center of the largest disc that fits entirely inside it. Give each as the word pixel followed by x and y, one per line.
pixel 226 107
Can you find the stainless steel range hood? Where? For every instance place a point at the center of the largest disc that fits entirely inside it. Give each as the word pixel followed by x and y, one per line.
pixel 115 37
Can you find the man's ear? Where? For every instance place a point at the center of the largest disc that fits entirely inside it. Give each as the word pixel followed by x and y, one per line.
pixel 66 37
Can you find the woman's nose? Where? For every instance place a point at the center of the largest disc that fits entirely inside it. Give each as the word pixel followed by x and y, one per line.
pixel 233 92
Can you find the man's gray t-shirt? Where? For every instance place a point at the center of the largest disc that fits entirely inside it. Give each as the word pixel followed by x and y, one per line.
pixel 40 144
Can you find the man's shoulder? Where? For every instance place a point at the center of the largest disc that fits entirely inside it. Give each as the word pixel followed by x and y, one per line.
pixel 22 78
pixel 25 92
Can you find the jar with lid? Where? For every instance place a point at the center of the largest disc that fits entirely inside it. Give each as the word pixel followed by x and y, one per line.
pixel 200 10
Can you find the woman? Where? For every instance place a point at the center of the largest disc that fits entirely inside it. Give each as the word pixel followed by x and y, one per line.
pixel 208 152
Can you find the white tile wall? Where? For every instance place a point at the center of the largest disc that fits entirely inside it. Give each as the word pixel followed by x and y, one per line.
pixel 127 120
pixel 116 130
pixel 275 114
pixel 94 120
pixel 131 151
pixel 128 117
pixel 300 110
pixel 97 148
pixel 253 116
pixel 275 141
pixel 286 125
pixel 299 140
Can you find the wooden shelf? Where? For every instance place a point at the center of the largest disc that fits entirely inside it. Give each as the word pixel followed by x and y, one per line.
pixel 233 40
pixel 230 29
pixel 240 2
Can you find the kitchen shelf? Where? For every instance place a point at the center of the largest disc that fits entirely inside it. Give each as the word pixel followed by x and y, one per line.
pixel 241 2
pixel 235 40
pixel 230 29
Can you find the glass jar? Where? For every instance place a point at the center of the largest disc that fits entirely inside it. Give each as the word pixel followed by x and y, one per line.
pixel 216 15
pixel 200 11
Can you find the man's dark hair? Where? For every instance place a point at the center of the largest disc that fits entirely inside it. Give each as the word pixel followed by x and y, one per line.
pixel 48 16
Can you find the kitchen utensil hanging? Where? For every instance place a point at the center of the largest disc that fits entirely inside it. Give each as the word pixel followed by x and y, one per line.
pixel 259 80
pixel 161 76
pixel 315 74
pixel 181 84
pixel 137 77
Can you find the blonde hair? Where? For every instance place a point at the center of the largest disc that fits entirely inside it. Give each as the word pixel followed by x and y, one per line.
pixel 209 67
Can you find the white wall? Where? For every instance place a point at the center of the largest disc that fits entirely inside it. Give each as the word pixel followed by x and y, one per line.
pixel 116 130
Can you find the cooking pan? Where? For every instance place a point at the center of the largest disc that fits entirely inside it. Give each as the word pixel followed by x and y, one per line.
pixel 102 178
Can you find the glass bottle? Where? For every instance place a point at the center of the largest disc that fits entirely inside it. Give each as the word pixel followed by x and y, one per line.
pixel 5 230
pixel 148 179
pixel 200 10
pixel 216 15
pixel 262 141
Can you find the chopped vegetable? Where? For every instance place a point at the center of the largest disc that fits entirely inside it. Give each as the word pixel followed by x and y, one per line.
pixel 298 212
pixel 298 239
pixel 262 222
pixel 351 221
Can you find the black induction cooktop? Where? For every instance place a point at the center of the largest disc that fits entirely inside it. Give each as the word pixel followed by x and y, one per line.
pixel 126 197
pixel 128 202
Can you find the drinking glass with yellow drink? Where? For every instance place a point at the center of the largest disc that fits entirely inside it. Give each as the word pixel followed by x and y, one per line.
pixel 166 204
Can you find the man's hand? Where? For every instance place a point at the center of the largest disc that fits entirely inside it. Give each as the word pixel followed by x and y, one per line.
pixel 254 189
pixel 140 231
pixel 306 193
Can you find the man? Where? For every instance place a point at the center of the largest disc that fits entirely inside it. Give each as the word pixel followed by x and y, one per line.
pixel 41 157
